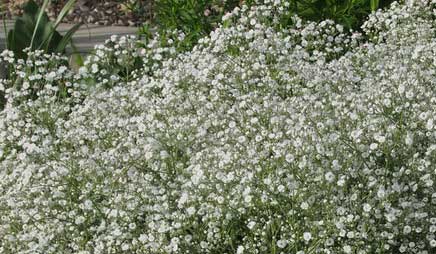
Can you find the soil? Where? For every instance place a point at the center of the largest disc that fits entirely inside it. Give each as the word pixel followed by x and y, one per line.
pixel 100 12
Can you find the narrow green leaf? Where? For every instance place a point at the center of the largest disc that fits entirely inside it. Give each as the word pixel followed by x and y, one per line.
pixel 67 7
pixel 56 38
pixel 6 33
pixel 40 15
pixel 67 38
pixel 374 5
pixel 11 44
pixel 45 36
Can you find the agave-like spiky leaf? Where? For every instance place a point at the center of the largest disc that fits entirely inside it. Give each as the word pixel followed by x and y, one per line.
pixel 34 30
pixel 66 39
pixel 67 7
pixel 41 13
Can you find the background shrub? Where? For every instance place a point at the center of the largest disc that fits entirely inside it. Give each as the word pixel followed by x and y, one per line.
pixel 196 19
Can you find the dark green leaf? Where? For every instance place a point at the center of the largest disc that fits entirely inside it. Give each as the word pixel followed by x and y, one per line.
pixel 67 39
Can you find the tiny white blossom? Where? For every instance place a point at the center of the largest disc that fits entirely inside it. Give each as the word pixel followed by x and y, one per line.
pixel 307 236
pixel 281 244
pixel 240 250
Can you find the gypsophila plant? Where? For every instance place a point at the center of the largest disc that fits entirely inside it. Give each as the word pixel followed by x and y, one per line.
pixel 195 19
pixel 40 75
pixel 125 58
pixel 260 140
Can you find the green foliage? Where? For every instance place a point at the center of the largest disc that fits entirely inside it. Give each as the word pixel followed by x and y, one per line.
pixel 350 13
pixel 191 15
pixel 138 9
pixel 35 31
pixel 195 18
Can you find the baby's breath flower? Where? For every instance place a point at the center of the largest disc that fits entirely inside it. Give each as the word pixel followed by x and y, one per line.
pixel 261 139
pixel 281 244
pixel 307 236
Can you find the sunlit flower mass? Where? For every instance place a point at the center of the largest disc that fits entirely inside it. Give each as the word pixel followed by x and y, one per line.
pixel 262 140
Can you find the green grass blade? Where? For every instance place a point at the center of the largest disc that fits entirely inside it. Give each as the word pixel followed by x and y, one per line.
pixel 67 7
pixel 40 14
pixel 6 33
pixel 48 39
pixel 67 38
pixel 374 5
pixel 11 41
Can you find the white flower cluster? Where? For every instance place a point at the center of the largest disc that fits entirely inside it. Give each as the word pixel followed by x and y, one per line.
pixel 259 140
pixel 124 59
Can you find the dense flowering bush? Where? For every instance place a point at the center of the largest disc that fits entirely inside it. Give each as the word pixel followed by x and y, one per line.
pixel 259 140
pixel 125 59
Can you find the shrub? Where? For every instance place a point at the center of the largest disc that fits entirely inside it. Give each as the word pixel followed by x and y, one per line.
pixel 256 141
pixel 195 19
